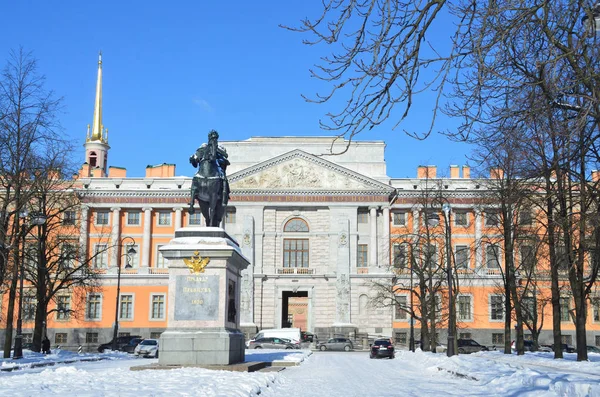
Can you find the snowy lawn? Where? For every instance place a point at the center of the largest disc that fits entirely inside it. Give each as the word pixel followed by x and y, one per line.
pixel 319 374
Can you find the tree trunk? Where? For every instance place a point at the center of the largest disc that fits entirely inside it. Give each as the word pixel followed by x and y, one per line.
pixel 10 312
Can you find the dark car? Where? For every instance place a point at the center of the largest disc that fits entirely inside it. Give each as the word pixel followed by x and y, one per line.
pixel 593 349
pixel 528 345
pixel 336 344
pixel 470 346
pixel 272 343
pixel 130 347
pixel 308 336
pixel 382 348
pixel 566 348
pixel 122 341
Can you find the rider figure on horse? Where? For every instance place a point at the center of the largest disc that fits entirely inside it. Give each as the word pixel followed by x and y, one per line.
pixel 221 159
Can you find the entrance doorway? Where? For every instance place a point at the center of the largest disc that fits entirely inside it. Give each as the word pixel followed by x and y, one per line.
pixel 294 313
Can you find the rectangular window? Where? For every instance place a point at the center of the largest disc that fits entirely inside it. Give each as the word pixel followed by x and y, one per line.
pixel 295 253
pixel 496 307
pixel 133 218
pixel 492 218
pixel 400 338
pixel 464 335
pixel 362 255
pixel 497 338
pixel 461 255
pixel 402 307
pixel 164 219
pixel 133 258
pixel 29 304
pixel 596 309
pixel 155 335
pixel 60 337
pixel 568 339
pixel 63 307
pixel 101 256
pixel 492 256
pixel 363 217
pixel 69 217
pixel 431 256
pixel 528 337
pixel 400 256
pixel 464 308
pixel 94 307
pixel 68 253
pixel 562 259
pixel 525 217
pixel 195 219
pixel 161 261
pixel 158 307
pixel 230 215
pixel 597 340
pixel 27 338
pixel 461 218
pixel 101 218
pixel 527 258
pixel 528 306
pixel 564 309
pixel 124 333
pixel 91 337
pixel 126 307
pixel 399 218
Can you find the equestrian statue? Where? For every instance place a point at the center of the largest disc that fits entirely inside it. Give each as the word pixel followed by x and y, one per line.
pixel 209 185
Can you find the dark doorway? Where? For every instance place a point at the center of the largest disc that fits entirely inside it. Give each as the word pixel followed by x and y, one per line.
pixel 295 309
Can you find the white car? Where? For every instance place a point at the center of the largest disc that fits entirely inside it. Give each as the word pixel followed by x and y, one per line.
pixel 147 348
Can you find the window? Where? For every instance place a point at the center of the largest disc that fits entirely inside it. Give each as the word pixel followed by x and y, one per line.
pixel 400 256
pixel 91 337
pixel 295 253
pixel 400 338
pixel 133 218
pixel 63 307
pixel 124 334
pixel 492 256
pixel 528 306
pixel 101 218
pixel 492 218
pixel 68 252
pixel 596 309
pixel 562 259
pixel 100 256
pixel 155 335
pixel 161 260
pixel 363 217
pixel 430 256
pixel 461 256
pixel 568 339
pixel 362 255
pixel 461 218
pixel 527 258
pixel 27 338
pixel 230 215
pixel 464 308
pixel 60 337
pixel 69 217
pixel 164 219
pixel 29 304
pixel 158 307
pixel 126 307
pixel 296 225
pixel 525 217
pixel 195 219
pixel 497 338
pixel 597 340
pixel 564 309
pixel 401 307
pixel 496 307
pixel 94 307
pixel 464 335
pixel 133 258
pixel 398 218
pixel 528 337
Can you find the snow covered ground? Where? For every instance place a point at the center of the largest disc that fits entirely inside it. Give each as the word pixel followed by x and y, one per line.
pixel 319 374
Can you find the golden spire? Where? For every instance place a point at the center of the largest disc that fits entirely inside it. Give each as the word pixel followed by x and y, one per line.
pixel 97 122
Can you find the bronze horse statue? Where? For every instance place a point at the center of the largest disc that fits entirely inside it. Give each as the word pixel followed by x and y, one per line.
pixel 209 185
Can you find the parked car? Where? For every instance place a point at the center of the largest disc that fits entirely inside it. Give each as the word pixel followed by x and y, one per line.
pixel 147 348
pixel 527 344
pixel 439 348
pixel 272 343
pixel 130 347
pixel 593 349
pixel 566 348
pixel 122 341
pixel 382 348
pixel 308 336
pixel 336 344
pixel 470 346
pixel 292 334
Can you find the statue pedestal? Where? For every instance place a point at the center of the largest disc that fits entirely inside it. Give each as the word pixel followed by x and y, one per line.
pixel 203 302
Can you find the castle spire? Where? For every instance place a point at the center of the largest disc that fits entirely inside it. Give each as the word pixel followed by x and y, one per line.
pixel 97 122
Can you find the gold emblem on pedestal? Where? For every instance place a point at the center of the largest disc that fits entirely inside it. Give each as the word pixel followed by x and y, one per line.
pixel 196 263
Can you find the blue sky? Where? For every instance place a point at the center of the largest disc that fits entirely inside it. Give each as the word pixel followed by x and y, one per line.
pixel 173 71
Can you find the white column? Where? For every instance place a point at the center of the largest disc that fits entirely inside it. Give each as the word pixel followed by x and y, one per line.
pixel 373 243
pixel 415 213
pixel 115 234
pixel 478 251
pixel 385 243
pixel 83 232
pixel 178 217
pixel 146 236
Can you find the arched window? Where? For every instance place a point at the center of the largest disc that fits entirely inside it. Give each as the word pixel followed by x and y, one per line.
pixel 296 225
pixel 93 159
pixel 295 250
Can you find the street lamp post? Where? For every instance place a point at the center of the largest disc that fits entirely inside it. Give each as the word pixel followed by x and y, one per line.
pixel 130 251
pixel 433 219
pixel 411 342
pixel 18 353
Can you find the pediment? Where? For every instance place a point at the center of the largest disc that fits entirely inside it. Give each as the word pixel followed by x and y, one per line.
pixel 299 171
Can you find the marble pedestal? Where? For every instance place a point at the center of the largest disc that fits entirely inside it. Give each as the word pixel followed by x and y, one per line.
pixel 203 301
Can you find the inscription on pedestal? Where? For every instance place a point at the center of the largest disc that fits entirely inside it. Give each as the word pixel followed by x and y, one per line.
pixel 197 298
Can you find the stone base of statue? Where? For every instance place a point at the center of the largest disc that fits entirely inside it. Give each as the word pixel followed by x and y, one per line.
pixel 205 266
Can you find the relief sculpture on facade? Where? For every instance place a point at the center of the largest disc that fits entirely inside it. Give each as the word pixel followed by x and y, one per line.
pixel 343 297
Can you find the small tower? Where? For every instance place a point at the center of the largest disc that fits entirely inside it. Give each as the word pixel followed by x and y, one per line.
pixel 96 143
